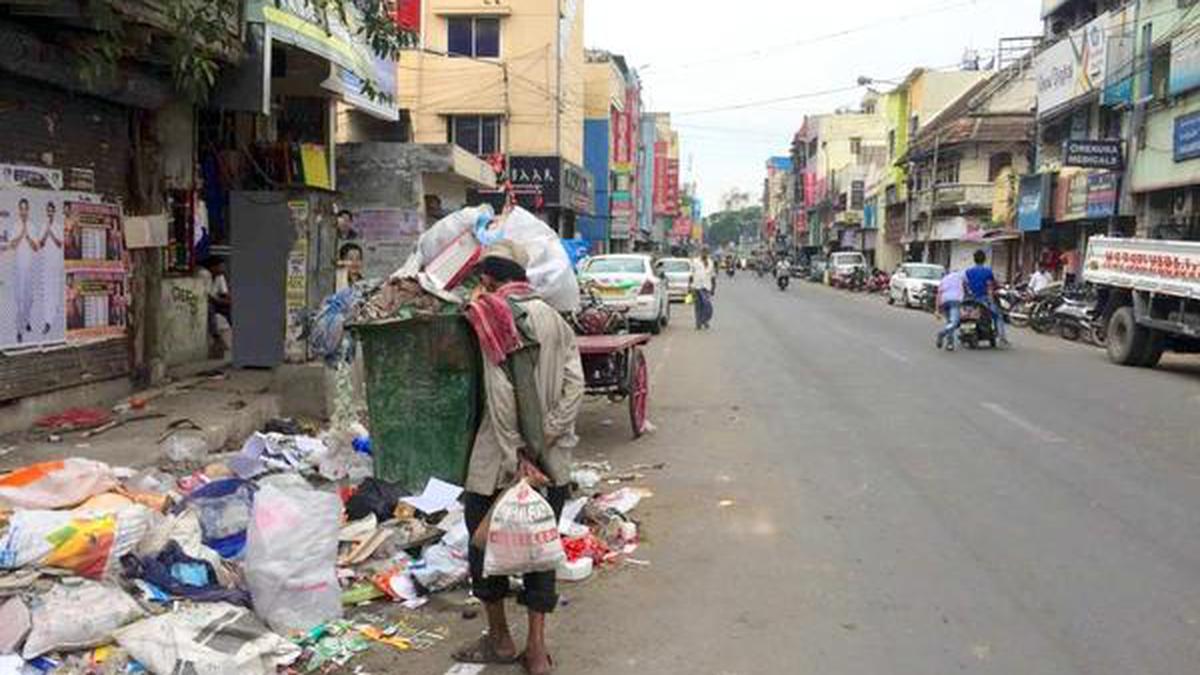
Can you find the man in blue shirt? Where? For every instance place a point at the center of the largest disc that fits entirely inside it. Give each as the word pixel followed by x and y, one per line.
pixel 981 282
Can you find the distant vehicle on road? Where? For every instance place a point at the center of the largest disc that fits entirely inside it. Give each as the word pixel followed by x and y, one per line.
pixel 843 265
pixel 629 282
pixel 1148 295
pixel 911 280
pixel 679 275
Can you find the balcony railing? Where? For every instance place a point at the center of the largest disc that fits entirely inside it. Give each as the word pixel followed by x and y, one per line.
pixel 955 196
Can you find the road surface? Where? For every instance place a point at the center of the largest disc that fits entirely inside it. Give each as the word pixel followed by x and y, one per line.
pixel 843 499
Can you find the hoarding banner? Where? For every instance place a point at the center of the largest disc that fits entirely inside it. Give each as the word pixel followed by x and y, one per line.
pixel 1074 66
pixel 1093 154
pixel 1102 195
pixel 1186 140
pixel 97 304
pixel 661 148
pixel 1032 201
pixel 672 187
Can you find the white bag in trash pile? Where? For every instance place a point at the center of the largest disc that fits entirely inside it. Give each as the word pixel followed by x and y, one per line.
pixel 207 639
pixel 55 485
pixel 291 556
pixel 549 269
pixel 72 616
pixel 523 534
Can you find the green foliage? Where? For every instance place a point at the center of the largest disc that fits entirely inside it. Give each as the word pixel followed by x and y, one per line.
pixel 727 227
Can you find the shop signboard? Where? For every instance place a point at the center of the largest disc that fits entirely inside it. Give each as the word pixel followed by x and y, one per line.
pixel 1033 202
pixel 1086 154
pixel 1185 64
pixel 672 197
pixel 661 196
pixel 1074 66
pixel 551 182
pixel 1186 139
pixel 1077 197
pixel 1102 195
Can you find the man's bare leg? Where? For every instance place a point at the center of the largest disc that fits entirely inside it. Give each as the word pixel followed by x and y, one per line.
pixel 498 632
pixel 537 659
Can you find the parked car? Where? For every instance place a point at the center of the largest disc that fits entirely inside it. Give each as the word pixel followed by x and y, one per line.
pixel 843 265
pixel 679 275
pixel 629 282
pixel 911 280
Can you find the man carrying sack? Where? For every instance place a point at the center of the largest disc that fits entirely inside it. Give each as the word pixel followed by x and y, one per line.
pixel 533 390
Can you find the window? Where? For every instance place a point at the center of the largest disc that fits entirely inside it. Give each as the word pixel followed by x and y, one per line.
pixel 997 163
pixel 947 172
pixel 477 134
pixel 472 36
pixel 856 146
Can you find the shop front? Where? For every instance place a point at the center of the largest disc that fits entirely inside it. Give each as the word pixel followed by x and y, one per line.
pixel 553 189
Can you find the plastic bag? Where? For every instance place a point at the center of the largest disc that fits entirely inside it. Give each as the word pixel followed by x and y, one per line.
pixel 90 545
pixel 522 535
pixel 73 616
pixel 212 639
pixel 549 268
pixel 55 485
pixel 224 510
pixel 440 568
pixel 185 446
pixel 328 336
pixel 374 497
pixel 291 556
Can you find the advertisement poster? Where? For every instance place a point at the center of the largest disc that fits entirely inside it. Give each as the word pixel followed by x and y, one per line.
pixel 386 237
pixel 97 304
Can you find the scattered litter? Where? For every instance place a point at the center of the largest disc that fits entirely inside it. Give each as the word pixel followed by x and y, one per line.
pixel 185 446
pixel 465 669
pixel 725 503
pixel 78 615
pixel 576 570
pixel 14 625
pixel 438 496
pixel 624 500
pixel 55 485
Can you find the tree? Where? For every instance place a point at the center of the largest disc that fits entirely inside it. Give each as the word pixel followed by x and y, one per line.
pixel 728 227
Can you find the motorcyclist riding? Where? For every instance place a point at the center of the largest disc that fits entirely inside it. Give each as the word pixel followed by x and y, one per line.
pixel 981 282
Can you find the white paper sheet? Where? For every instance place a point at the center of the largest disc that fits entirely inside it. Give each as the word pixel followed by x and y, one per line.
pixel 437 497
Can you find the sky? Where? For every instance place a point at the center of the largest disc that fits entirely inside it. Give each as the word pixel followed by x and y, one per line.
pixel 697 56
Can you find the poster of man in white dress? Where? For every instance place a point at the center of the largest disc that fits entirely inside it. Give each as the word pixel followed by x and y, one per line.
pixel 43 235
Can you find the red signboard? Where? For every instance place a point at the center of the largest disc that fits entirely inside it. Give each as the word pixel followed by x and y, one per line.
pixel 672 187
pixel 408 15
pixel 682 228
pixel 661 196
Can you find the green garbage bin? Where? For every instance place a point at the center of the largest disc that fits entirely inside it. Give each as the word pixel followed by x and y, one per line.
pixel 423 379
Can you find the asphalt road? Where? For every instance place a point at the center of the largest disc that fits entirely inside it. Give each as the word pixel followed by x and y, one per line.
pixel 902 510
pixel 895 509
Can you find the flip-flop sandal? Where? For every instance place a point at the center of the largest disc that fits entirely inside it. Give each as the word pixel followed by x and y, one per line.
pixel 525 664
pixel 483 652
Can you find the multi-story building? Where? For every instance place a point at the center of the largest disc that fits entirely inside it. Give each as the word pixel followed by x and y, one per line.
pixel 505 79
pixel 663 157
pixel 906 109
pixel 1085 95
pixel 612 111
pixel 833 155
pixel 964 163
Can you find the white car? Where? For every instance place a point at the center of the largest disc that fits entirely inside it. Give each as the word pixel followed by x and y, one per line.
pixel 628 282
pixel 844 264
pixel 679 274
pixel 911 279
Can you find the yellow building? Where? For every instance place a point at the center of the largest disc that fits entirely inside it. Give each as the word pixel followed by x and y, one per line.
pixel 506 78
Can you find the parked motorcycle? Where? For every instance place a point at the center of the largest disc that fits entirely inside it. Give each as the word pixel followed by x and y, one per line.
pixel 880 282
pixel 1041 314
pixel 978 325
pixel 1079 318
pixel 1016 303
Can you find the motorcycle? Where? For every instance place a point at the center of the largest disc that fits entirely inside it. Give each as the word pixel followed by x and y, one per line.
pixel 977 325
pixel 782 280
pixel 1041 314
pixel 1016 303
pixel 1078 318
pixel 879 282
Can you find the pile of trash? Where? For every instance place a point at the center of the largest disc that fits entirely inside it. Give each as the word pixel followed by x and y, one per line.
pixel 284 556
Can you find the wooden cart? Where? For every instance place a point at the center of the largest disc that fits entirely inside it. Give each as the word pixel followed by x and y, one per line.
pixel 615 366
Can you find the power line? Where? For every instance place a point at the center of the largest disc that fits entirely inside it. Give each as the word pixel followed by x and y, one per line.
pixel 772 101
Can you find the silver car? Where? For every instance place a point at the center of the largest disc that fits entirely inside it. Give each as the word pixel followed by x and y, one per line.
pixel 679 275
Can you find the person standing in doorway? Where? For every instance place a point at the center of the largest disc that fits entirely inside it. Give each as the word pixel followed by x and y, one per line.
pixel 531 364
pixel 703 281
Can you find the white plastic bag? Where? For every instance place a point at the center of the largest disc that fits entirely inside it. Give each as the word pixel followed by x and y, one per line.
pixel 522 535
pixel 549 269
pixel 72 616
pixel 440 568
pixel 291 555
pixel 88 544
pixel 55 485
pixel 207 639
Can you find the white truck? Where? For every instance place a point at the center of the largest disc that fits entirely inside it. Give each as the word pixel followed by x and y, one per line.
pixel 1149 296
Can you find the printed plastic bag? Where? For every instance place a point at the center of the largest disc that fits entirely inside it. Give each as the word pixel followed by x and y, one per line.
pixel 88 544
pixel 549 269
pixel 522 535
pixel 73 616
pixel 55 485
pixel 328 337
pixel 212 639
pixel 224 508
pixel 291 556
pixel 440 568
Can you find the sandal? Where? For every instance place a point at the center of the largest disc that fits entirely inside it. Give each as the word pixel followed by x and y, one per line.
pixel 483 652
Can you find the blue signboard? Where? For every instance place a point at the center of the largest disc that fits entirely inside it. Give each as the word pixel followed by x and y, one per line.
pixel 1032 199
pixel 1102 195
pixel 1187 137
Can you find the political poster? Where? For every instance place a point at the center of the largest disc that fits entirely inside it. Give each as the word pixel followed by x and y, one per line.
pixel 31 268
pixel 97 304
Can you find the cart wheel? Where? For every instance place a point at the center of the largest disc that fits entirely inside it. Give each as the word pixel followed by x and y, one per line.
pixel 639 392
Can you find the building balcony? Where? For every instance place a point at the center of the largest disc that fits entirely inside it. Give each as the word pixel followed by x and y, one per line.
pixel 954 197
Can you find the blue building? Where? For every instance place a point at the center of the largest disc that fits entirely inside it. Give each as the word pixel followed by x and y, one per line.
pixel 597 160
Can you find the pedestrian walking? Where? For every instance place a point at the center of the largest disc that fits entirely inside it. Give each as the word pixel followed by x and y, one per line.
pixel 703 275
pixel 533 390
pixel 951 293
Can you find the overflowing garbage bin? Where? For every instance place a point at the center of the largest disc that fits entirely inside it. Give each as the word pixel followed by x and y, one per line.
pixel 423 380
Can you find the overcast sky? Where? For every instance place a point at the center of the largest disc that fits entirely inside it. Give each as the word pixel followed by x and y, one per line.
pixel 695 56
